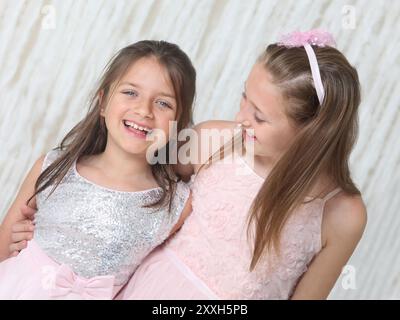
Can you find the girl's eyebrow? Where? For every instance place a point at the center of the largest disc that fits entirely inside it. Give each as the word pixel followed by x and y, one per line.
pixel 169 95
pixel 130 84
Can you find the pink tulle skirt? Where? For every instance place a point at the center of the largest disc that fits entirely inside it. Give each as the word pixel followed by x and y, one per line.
pixel 31 274
pixel 163 276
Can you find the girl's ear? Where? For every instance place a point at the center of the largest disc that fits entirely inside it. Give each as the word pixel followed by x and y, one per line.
pixel 100 97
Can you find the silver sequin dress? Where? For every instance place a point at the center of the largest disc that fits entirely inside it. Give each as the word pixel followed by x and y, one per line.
pixel 97 231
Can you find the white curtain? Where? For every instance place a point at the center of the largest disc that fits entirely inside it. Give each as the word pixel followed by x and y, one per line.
pixel 52 53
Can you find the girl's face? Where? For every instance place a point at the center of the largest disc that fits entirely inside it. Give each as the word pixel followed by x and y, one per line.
pixel 262 110
pixel 142 101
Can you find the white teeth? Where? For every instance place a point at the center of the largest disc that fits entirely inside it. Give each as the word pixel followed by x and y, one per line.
pixel 135 126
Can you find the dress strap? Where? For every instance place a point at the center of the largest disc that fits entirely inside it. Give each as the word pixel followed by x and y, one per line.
pixel 331 194
pixel 50 157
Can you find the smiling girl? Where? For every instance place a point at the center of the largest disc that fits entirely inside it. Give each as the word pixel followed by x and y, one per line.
pixel 101 206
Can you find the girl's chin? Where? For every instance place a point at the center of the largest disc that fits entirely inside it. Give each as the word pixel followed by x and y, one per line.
pixel 253 148
pixel 137 148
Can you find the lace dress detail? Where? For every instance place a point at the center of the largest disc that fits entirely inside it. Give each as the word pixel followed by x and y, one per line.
pixel 213 243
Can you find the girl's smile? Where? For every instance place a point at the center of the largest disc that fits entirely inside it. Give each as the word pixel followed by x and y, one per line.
pixel 249 136
pixel 137 130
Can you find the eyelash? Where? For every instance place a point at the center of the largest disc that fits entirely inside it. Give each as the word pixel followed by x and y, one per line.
pixel 131 93
pixel 166 104
pixel 258 120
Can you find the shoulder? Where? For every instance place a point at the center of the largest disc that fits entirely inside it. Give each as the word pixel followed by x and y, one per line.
pixel 219 131
pixel 38 165
pixel 52 155
pixel 345 218
pixel 215 124
pixel 210 137
pixel 40 160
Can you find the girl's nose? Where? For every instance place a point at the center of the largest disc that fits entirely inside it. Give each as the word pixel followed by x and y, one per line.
pixel 144 110
pixel 243 115
pixel 241 121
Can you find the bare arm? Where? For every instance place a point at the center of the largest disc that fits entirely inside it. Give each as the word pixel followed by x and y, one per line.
pixel 204 149
pixel 343 224
pixel 14 214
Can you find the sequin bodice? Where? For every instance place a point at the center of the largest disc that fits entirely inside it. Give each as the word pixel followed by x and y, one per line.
pixel 98 231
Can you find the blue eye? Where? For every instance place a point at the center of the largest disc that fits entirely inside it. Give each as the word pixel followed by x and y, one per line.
pixel 164 104
pixel 130 93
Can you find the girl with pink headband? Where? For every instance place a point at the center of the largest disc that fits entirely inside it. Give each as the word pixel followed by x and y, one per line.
pixel 284 225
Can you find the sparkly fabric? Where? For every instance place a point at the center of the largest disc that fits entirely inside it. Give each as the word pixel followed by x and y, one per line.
pixel 98 231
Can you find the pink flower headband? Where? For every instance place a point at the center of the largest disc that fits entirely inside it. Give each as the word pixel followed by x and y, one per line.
pixel 307 39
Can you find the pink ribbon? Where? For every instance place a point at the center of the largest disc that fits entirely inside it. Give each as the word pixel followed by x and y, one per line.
pixel 317 38
pixel 96 288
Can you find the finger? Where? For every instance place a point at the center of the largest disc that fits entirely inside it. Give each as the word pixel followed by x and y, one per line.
pixel 23 226
pixel 14 254
pixel 25 222
pixel 18 246
pixel 20 236
pixel 12 248
pixel 28 212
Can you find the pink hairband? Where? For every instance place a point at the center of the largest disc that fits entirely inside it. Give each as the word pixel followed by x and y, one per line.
pixel 317 38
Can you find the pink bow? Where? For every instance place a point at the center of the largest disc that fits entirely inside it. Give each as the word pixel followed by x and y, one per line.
pixel 97 288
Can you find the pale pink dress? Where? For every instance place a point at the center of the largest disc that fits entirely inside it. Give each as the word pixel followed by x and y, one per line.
pixel 209 257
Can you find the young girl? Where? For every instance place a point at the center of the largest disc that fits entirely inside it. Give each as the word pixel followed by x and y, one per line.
pixel 284 226
pixel 287 228
pixel 101 206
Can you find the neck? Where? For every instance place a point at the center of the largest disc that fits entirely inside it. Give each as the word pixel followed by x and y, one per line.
pixel 322 187
pixel 120 164
pixel 263 165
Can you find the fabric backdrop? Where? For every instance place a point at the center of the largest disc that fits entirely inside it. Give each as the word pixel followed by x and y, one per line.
pixel 52 53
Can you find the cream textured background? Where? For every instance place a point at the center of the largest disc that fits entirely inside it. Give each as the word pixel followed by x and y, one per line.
pixel 52 52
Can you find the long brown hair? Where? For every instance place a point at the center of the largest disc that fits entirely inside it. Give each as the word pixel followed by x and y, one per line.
pixel 89 136
pixel 326 137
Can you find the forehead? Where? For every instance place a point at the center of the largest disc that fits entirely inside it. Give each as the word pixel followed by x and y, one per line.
pixel 263 92
pixel 149 73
